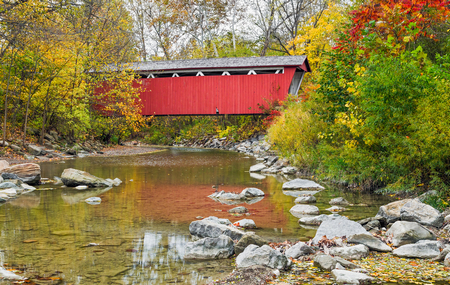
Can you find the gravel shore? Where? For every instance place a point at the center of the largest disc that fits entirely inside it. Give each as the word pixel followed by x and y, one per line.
pixel 109 151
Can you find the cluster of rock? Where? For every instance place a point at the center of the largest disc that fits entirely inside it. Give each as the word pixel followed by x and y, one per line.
pixel 248 195
pixel 246 146
pixel 256 146
pixel 218 238
pixel 404 228
pixel 18 179
pixel 54 146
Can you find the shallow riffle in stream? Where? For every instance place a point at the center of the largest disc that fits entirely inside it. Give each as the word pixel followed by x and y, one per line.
pixel 137 234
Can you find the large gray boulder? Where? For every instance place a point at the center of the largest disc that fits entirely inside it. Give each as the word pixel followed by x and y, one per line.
pixel 303 184
pixel 447 260
pixel 338 227
pixel 248 239
pixel 391 211
pixel 29 173
pixel 3 164
pixel 34 149
pixel 205 228
pixel 351 252
pixel 299 249
pixel 421 249
pixel 403 232
pixel 328 263
pixel 300 210
pixel 73 177
pixel 264 255
pixel 210 248
pixel 325 261
pixel 350 277
pixel 370 241
pixel 416 211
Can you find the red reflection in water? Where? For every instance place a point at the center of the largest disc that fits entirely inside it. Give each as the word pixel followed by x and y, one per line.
pixel 184 203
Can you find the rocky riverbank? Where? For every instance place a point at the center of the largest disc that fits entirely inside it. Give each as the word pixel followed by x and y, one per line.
pixel 406 242
pixel 57 148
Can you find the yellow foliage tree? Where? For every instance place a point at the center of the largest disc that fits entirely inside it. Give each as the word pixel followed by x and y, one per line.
pixel 317 36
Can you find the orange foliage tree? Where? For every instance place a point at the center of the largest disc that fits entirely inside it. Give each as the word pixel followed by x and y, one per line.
pixel 394 23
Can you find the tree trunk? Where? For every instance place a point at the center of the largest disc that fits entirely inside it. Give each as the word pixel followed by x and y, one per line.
pixel 44 116
pixel 28 106
pixel 6 101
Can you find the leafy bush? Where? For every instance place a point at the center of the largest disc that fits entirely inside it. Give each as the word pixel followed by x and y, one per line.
pixel 379 116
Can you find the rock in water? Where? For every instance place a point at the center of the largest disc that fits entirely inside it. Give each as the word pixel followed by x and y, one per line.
pixel 73 177
pixel 238 210
pixel 210 248
pixel 391 211
pixel 338 227
pixel 300 210
pixel 8 275
pixel 29 173
pixel 299 249
pixel 246 223
pixel 403 232
pixel 306 199
pixel 350 277
pixel 264 255
pixel 246 240
pixel 257 167
pixel 81 187
pixel 421 249
pixel 205 228
pixel 416 211
pixel 315 220
pixel 251 192
pixel 93 200
pixel 301 184
pixel 218 221
pixel 339 201
pixel 336 209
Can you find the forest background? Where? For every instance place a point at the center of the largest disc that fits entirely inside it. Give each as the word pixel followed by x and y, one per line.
pixel 374 113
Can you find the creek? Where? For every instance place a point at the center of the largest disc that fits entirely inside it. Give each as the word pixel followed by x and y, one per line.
pixel 137 234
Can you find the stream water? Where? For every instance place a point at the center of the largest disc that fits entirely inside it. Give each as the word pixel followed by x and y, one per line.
pixel 138 232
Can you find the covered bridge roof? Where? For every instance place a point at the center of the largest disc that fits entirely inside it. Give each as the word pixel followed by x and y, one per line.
pixel 221 63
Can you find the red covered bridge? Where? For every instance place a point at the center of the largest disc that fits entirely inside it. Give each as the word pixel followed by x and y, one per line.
pixel 219 85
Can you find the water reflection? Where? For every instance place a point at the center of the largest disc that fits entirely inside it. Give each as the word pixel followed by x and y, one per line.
pixel 73 196
pixel 138 232
pixel 28 200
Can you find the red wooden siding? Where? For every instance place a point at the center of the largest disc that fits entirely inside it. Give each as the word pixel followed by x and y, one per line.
pixel 200 95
